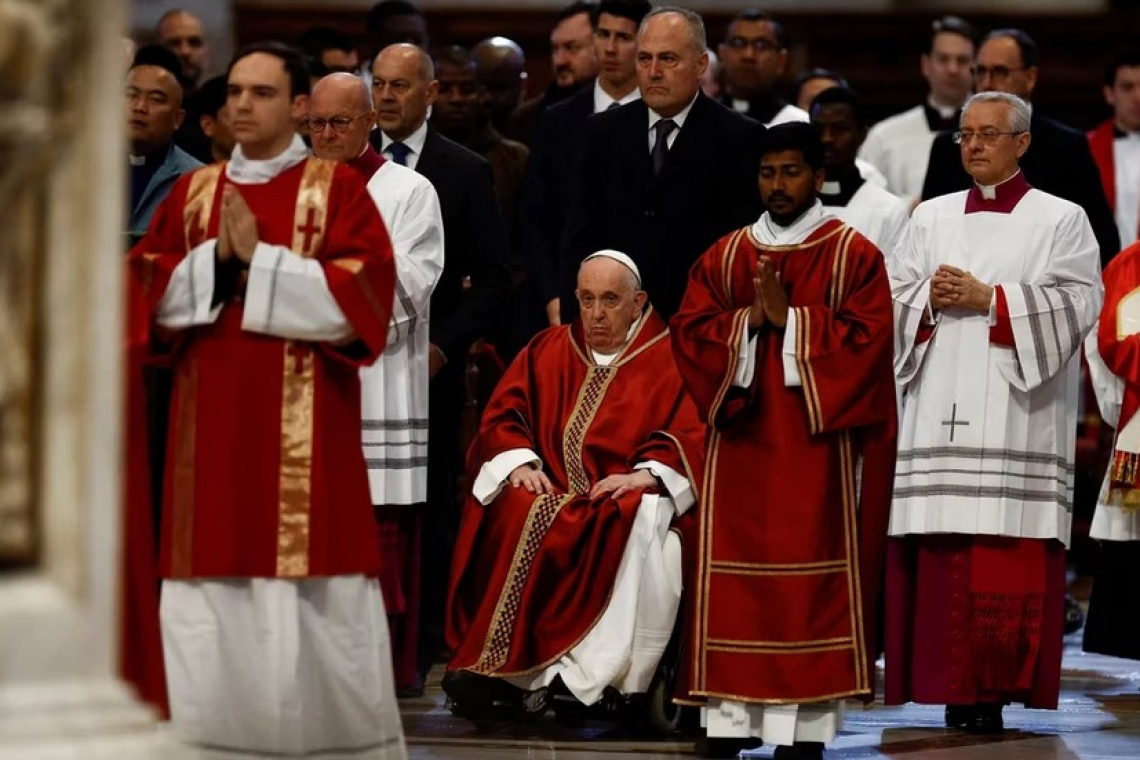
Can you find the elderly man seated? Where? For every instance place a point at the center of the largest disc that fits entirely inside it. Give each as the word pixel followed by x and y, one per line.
pixel 566 568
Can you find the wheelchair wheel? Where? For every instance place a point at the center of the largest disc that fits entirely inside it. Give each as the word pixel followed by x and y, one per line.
pixel 664 716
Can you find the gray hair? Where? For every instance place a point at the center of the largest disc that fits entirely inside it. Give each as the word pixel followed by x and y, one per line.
pixel 1018 109
pixel 693 20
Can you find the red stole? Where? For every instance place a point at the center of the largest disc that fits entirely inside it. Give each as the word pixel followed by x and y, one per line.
pixel 367 163
pixel 532 575
pixel 265 474
pixel 790 554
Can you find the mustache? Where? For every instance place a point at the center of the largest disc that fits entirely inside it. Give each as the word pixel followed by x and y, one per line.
pixel 779 197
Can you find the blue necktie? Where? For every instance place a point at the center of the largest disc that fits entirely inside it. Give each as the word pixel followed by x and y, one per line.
pixel 399 153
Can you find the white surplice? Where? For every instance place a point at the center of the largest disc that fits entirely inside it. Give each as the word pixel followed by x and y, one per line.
pixel 271 667
pixel 899 147
pixel 394 390
pixel 1110 521
pixel 625 646
pixel 987 435
pixel 880 216
pixel 790 723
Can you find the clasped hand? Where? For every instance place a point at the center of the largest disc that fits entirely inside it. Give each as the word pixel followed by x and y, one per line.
pixel 770 304
pixel 237 230
pixel 953 287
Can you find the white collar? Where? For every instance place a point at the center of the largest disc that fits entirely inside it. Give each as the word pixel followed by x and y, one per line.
pixel 248 171
pixel 605 360
pixel 768 232
pixel 603 99
pixel 678 119
pixel 989 192
pixel 946 112
pixel 415 140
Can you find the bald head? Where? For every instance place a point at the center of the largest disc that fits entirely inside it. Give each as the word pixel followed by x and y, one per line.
pixel 403 88
pixel 340 117
pixel 500 68
pixel 499 51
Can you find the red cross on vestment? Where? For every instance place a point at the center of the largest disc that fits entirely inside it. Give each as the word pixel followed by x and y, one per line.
pixel 299 354
pixel 310 229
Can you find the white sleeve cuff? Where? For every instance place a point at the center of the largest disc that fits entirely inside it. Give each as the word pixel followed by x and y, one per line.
pixel 288 296
pixel 745 362
pixel 190 293
pixel 678 486
pixel 788 353
pixel 493 475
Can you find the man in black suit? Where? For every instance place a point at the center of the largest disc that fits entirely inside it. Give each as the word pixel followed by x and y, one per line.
pixel 475 249
pixel 557 145
pixel 665 177
pixel 1058 161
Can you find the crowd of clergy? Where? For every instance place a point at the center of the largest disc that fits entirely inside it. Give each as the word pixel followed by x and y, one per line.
pixel 655 396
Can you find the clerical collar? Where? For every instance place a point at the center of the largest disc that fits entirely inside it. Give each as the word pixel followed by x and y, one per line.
pixel 840 192
pixel 1117 133
pixel 248 171
pixel 939 118
pixel 367 163
pixel 605 360
pixel 763 108
pixel 146 159
pixel 603 100
pixel 1001 198
pixel 768 232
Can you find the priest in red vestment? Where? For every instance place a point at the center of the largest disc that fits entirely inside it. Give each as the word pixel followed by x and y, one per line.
pixel 567 571
pixel 784 341
pixel 268 282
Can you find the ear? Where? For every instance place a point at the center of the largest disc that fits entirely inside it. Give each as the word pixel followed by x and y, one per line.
pixel 1109 95
pixel 783 58
pixel 370 119
pixel 925 65
pixel 206 123
pixel 819 177
pixel 300 107
pixel 179 115
pixel 640 298
pixel 1023 141
pixel 432 91
pixel 1031 76
pixel 702 63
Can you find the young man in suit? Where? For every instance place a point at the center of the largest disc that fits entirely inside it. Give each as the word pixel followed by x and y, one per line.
pixel 664 177
pixel 1058 161
pixel 475 248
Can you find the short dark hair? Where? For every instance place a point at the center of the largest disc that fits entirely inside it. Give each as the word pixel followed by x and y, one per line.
pixel 816 73
pixel 317 39
pixel 292 58
pixel 951 25
pixel 1030 53
pixel 841 95
pixel 160 56
pixel 208 99
pixel 755 14
pixel 454 55
pixel 572 10
pixel 794 135
pixel 379 14
pixel 634 10
pixel 1122 60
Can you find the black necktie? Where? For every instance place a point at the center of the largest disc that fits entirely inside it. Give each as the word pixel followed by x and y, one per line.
pixel 663 128
pixel 613 105
pixel 399 153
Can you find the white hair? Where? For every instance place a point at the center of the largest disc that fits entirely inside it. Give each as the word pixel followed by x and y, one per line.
pixel 1018 108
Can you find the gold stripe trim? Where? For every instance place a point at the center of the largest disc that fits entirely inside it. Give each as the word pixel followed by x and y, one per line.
pixel 312 207
pixel 854 591
pixel 778 573
pixel 754 701
pixel 199 205
pixel 771 651
pixel 822 564
pixel 705 515
pixel 739 325
pixel 790 645
pixel 798 246
pixel 496 646
pixel 182 488
pixel 807 376
pixel 684 463
pixel 589 400
pixel 295 481
pixel 727 262
pixel 841 286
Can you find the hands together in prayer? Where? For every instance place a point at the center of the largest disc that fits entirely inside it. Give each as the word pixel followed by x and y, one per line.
pixel 531 478
pixel 237 231
pixel 953 287
pixel 620 485
pixel 771 302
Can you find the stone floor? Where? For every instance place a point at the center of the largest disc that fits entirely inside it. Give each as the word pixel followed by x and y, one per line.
pixel 1098 719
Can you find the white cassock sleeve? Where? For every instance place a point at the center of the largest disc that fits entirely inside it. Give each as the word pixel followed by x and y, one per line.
pixel 1050 318
pixel 746 357
pixel 190 292
pixel 910 293
pixel 288 296
pixel 1108 387
pixel 493 475
pixel 409 206
pixel 679 488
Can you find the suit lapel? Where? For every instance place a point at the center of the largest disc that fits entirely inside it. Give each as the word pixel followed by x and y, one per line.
pixel 685 152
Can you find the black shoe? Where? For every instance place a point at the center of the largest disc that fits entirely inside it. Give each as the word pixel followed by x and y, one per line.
pixel 959 716
pixel 986 720
pixel 800 751
pixel 1074 617
pixel 721 746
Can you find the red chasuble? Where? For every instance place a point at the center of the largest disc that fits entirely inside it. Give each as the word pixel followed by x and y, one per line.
pixel 531 576
pixel 265 476
pixel 790 553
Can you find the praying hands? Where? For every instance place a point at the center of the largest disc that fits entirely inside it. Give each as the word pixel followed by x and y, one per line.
pixel 953 287
pixel 771 302
pixel 237 231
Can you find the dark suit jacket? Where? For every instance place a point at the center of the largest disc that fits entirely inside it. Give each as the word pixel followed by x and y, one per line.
pixel 707 188
pixel 1058 162
pixel 475 244
pixel 555 159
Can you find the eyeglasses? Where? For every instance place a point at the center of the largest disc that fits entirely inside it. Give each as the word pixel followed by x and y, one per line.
pixel 758 44
pixel 338 123
pixel 987 136
pixel 996 73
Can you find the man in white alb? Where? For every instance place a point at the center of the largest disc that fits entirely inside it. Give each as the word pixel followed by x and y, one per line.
pixel 995 288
